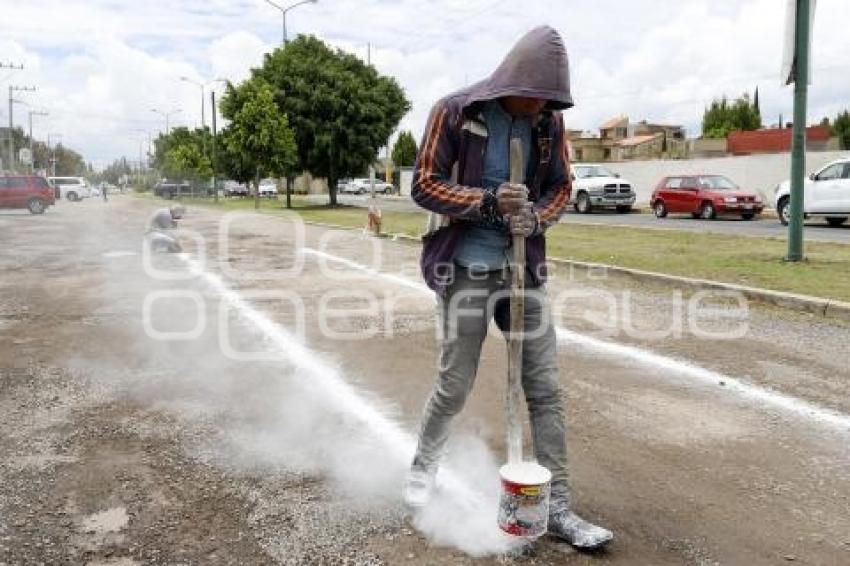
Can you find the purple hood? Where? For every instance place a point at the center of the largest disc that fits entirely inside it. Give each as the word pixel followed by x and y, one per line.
pixel 536 67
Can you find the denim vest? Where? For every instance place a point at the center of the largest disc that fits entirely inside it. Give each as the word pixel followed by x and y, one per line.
pixel 485 245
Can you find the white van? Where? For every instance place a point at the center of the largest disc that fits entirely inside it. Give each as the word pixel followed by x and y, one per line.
pixel 71 188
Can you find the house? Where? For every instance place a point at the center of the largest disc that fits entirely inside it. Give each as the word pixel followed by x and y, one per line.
pixel 619 140
pixel 614 129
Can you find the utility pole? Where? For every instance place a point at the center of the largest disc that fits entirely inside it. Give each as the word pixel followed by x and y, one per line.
pixel 32 155
pixel 800 76
pixel 12 90
pixel 14 67
pixel 214 159
pixel 139 176
pixel 53 154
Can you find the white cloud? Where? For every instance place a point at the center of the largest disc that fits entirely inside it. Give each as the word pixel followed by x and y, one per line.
pixel 100 65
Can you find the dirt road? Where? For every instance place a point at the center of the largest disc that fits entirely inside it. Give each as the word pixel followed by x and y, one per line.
pixel 254 402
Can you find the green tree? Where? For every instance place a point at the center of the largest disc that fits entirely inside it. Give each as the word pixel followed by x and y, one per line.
pixel 841 128
pixel 342 110
pixel 258 139
pixel 198 139
pixel 721 117
pixel 404 150
pixel 188 161
pixel 114 171
pixel 68 161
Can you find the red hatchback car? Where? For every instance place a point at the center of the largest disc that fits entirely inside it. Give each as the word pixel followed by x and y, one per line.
pixel 26 191
pixel 704 196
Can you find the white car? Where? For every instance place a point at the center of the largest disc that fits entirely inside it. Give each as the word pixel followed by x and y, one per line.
pixel 826 194
pixel 363 186
pixel 71 188
pixel 594 186
pixel 268 188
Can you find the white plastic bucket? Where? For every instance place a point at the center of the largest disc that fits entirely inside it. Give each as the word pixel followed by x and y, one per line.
pixel 524 503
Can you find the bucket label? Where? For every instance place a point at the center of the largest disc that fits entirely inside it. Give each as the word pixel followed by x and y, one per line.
pixel 524 509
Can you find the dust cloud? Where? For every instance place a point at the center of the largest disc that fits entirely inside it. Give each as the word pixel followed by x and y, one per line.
pixel 297 411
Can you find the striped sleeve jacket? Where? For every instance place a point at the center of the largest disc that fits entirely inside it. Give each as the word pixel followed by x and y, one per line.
pixel 462 199
pixel 447 181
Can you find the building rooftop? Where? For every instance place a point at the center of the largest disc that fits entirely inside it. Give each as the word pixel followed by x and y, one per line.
pixel 614 122
pixel 637 140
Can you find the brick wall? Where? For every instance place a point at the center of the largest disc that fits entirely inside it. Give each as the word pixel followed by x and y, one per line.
pixel 775 140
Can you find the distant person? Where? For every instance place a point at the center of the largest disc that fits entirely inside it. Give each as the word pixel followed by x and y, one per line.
pixel 161 223
pixel 103 192
pixel 462 176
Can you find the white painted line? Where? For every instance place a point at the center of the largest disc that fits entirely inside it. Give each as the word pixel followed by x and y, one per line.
pixel 469 504
pixel 747 390
pixel 324 375
pixel 397 279
pixel 769 397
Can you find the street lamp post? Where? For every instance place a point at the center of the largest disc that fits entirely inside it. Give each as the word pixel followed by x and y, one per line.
pixel 201 86
pixel 32 155
pixel 214 156
pixel 53 152
pixel 12 90
pixel 284 10
pixel 166 116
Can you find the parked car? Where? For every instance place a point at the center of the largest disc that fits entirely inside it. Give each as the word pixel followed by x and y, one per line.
pixel 268 188
pixel 350 187
pixel 171 189
pixel 71 188
pixel 704 196
pixel 594 186
pixel 235 189
pixel 363 186
pixel 26 191
pixel 342 186
pixel 826 193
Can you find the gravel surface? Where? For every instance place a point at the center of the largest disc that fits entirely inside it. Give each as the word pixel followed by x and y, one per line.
pixel 118 449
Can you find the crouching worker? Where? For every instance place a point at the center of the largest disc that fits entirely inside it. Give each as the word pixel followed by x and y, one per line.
pixel 158 235
pixel 462 176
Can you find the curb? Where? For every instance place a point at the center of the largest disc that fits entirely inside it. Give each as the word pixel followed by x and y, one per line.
pixel 805 303
pixel 827 308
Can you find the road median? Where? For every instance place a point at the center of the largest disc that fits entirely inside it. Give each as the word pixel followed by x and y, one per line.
pixel 750 265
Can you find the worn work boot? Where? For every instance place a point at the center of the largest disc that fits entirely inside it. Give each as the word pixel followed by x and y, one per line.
pixel 568 526
pixel 418 487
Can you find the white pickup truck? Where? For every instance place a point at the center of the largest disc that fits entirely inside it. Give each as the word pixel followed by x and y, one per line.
pixel 71 188
pixel 826 194
pixel 594 186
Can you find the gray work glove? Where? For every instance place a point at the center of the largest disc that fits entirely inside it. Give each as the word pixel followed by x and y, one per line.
pixel 524 223
pixel 510 198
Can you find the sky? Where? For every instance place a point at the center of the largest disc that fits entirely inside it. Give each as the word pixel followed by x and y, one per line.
pixel 101 66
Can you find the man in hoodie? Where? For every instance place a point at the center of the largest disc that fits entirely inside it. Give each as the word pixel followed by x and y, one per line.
pixel 461 176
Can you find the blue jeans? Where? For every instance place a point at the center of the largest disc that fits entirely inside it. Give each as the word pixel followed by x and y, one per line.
pixel 472 300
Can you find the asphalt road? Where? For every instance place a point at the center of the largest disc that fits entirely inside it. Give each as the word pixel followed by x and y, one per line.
pixel 167 409
pixel 768 227
pixel 815 230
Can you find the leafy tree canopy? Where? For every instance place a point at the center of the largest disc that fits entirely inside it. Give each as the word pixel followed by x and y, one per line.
pixel 841 128
pixel 342 110
pixel 258 141
pixel 721 117
pixel 404 150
